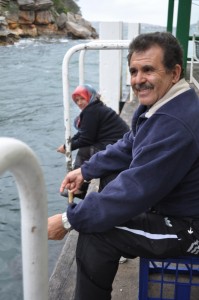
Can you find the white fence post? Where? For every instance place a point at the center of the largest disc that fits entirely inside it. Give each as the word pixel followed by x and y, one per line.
pixel 194 60
pixel 110 68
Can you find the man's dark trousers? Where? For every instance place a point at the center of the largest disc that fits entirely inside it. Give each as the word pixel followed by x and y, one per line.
pixel 147 235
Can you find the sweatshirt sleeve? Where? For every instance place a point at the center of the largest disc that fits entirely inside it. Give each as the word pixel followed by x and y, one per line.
pixel 155 170
pixel 116 157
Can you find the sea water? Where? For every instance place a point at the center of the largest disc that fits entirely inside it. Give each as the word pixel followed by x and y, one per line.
pixel 31 110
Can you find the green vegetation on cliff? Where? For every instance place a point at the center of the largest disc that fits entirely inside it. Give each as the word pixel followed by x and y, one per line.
pixel 59 5
pixel 66 6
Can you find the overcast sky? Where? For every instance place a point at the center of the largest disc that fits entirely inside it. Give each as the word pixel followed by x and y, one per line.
pixel 135 11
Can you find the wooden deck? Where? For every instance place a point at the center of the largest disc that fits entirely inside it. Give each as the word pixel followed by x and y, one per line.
pixel 125 287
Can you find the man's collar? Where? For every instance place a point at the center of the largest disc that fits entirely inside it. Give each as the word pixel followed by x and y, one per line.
pixel 180 87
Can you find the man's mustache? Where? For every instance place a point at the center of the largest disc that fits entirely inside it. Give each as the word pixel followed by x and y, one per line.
pixel 142 86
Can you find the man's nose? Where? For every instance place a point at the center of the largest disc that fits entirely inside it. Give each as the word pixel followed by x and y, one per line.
pixel 139 78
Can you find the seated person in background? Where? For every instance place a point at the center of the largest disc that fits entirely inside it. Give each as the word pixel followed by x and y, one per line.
pixel 97 125
pixel 151 209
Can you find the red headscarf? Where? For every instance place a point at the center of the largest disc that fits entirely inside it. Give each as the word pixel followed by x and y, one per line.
pixel 86 91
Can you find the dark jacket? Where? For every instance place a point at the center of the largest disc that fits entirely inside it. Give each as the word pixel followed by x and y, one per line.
pixel 159 165
pixel 99 126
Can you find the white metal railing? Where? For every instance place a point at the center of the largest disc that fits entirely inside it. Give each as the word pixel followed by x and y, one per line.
pixel 19 159
pixel 194 60
pixel 94 45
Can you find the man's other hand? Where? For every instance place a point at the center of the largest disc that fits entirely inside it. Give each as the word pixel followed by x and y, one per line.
pixel 72 181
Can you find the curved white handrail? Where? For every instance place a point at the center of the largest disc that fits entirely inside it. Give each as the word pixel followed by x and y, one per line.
pixel 94 45
pixel 19 159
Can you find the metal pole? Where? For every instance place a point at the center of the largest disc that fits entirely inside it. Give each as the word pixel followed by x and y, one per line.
pixel 183 24
pixel 192 59
pixel 170 16
pixel 81 66
pixel 20 160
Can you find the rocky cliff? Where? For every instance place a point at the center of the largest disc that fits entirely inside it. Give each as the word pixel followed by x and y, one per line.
pixel 32 18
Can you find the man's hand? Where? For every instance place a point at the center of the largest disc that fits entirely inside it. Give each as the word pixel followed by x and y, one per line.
pixel 72 181
pixel 56 231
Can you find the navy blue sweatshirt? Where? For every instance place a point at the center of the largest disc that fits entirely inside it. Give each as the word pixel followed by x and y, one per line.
pixel 158 161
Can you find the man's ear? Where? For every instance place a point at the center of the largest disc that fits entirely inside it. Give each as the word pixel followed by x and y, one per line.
pixel 176 73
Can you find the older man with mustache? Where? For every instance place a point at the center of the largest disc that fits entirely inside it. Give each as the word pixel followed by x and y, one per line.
pixel 151 208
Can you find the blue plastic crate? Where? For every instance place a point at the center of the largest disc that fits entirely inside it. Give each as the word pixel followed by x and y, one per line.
pixel 169 279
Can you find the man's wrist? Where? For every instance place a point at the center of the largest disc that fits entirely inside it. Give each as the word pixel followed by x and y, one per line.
pixel 65 222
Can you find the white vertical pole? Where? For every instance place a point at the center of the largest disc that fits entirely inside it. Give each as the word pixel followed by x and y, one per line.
pixel 192 59
pixel 81 66
pixel 110 85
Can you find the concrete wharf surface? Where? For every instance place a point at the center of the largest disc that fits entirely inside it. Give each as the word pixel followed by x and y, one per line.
pixel 125 286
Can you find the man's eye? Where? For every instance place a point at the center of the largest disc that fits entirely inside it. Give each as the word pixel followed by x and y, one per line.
pixel 133 72
pixel 148 69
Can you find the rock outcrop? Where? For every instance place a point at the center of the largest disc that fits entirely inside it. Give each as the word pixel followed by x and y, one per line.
pixel 32 18
pixel 75 26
